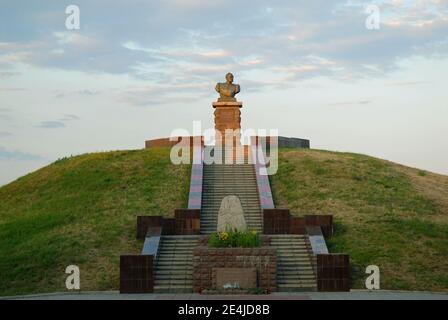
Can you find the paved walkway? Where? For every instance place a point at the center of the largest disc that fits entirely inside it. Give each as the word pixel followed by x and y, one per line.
pixel 353 295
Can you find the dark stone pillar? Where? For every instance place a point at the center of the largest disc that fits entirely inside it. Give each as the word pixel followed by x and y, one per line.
pixel 136 274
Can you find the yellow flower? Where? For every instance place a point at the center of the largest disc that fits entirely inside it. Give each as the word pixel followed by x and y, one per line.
pixel 254 232
pixel 223 236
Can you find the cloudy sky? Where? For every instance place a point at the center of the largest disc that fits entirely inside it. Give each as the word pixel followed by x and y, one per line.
pixel 139 69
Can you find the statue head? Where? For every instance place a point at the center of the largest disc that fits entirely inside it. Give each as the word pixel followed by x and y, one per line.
pixel 229 78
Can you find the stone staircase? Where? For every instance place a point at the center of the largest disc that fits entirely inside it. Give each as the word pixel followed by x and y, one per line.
pixel 220 180
pixel 174 264
pixel 295 270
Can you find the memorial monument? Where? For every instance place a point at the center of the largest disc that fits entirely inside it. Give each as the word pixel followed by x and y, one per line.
pixel 228 116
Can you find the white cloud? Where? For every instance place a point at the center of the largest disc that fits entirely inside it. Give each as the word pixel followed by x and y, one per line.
pixel 51 124
pixel 17 155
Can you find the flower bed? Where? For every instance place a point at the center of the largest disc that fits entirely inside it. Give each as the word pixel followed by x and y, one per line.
pixel 234 239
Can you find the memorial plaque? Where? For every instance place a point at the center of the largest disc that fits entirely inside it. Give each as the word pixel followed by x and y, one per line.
pixel 236 278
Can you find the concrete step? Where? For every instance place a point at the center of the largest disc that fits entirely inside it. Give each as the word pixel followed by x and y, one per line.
pixel 291 250
pixel 246 208
pixel 253 203
pixel 207 212
pixel 216 199
pixel 223 180
pixel 287 277
pixel 286 249
pixel 228 168
pixel 213 213
pixel 229 174
pixel 234 175
pixel 291 243
pixel 229 180
pixel 166 279
pixel 293 286
pixel 173 277
pixel 223 183
pixel 231 187
pixel 184 243
pixel 179 244
pixel 177 281
pixel 285 242
pixel 299 283
pixel 295 268
pixel 294 263
pixel 170 253
pixel 162 256
pixel 168 264
pixel 297 271
pixel 162 259
pixel 248 222
pixel 210 214
pixel 174 268
pixel 288 236
pixel 162 271
pixel 173 288
pixel 214 217
pixel 293 257
pixel 174 264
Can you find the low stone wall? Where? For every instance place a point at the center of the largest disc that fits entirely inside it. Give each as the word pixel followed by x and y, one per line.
pixel 325 222
pixel 282 142
pixel 185 221
pixel 280 221
pixel 207 261
pixel 144 223
pixel 166 142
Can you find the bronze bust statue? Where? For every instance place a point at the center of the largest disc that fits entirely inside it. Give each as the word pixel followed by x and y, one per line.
pixel 227 90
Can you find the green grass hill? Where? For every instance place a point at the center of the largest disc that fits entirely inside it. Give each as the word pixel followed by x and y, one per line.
pixel 81 210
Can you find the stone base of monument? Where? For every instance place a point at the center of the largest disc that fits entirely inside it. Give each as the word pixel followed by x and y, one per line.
pixel 227 116
pixel 222 269
pixel 228 129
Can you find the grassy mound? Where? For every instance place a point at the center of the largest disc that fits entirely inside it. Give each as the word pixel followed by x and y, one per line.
pixel 82 210
pixel 386 214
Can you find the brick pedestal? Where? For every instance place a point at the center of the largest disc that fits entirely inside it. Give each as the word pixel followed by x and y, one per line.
pixel 227 117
